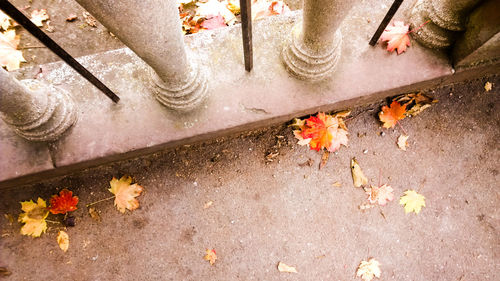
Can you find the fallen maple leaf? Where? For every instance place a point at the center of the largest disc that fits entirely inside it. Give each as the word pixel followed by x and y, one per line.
pixel 63 240
pixel 4 21
pixel 397 37
pixel 10 57
pixel 265 8
pixel 210 256
pixel 322 131
pixel 213 23
pixel 415 103
pixel 233 6
pixel 33 217
pixel 412 201
pixel 403 142
pixel 38 16
pixel 367 270
pixel 391 114
pixel 212 8
pixel 488 86
pixel 358 177
pixel 63 203
pixel 380 194
pixel 286 268
pixel 125 193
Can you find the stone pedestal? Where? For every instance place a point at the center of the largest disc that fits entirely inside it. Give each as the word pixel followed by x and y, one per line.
pixel 316 41
pixel 447 19
pixel 36 111
pixel 152 29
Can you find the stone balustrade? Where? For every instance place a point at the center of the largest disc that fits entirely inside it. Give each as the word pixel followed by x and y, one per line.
pixel 152 30
pixel 316 41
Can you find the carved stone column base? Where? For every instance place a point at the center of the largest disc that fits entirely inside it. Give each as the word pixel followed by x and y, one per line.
pixel 59 114
pixel 308 64
pixel 182 97
pixel 430 35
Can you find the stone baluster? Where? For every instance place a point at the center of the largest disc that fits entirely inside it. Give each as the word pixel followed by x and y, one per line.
pixel 316 41
pixel 36 111
pixel 446 19
pixel 152 29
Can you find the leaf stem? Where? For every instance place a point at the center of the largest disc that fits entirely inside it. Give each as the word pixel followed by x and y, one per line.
pixel 58 222
pixel 99 201
pixel 422 25
pixel 402 128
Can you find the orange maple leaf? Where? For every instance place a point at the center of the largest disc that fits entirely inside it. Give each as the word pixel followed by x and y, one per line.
pixel 397 37
pixel 324 131
pixel 210 256
pixel 63 203
pixel 391 114
pixel 125 193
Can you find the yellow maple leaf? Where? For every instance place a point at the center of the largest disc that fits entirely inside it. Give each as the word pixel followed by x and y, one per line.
pixel 367 270
pixel 210 256
pixel 37 16
pixel 63 240
pixel 125 193
pixel 412 201
pixel 33 217
pixel 10 57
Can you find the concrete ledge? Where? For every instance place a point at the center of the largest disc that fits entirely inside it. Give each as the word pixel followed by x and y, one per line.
pixel 237 100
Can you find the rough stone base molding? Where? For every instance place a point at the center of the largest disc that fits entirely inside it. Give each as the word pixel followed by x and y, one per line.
pixel 311 64
pixel 446 21
pixel 35 110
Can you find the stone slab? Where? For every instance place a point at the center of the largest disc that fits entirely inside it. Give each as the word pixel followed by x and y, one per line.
pixel 19 157
pixel 238 100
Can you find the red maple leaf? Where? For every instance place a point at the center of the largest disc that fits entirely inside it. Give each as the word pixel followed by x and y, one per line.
pixel 324 131
pixel 63 203
pixel 397 37
pixel 391 114
pixel 214 22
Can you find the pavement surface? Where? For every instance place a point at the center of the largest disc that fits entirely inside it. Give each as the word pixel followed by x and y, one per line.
pixel 286 210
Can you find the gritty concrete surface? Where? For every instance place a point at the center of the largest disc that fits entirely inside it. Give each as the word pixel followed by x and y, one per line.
pixel 285 210
pixel 237 99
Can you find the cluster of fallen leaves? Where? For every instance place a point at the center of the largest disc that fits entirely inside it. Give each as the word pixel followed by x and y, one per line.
pixel 198 15
pixel 34 214
pixel 328 132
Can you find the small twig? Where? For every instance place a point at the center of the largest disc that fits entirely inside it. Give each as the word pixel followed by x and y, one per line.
pixel 33 47
pixel 99 201
pixel 58 222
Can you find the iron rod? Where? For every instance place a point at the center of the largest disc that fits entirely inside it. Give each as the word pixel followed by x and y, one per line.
pixel 246 31
pixel 385 21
